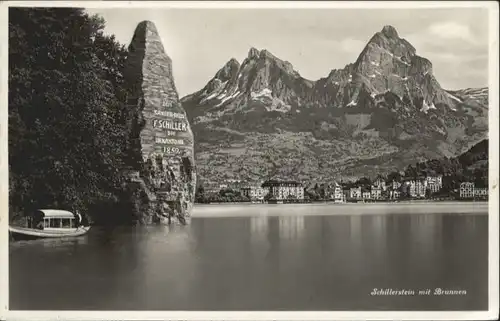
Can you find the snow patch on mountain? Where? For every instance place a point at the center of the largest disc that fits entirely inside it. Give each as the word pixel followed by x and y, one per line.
pixel 409 94
pixel 264 92
pixel 426 107
pixel 453 97
pixel 217 92
pixel 226 98
pixel 401 59
pixel 270 103
pixel 280 106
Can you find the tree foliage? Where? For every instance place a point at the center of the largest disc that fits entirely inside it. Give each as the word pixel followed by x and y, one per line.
pixel 66 102
pixel 223 196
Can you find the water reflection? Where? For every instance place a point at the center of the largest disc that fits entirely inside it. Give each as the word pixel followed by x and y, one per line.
pixel 257 262
pixel 355 229
pixel 259 227
pixel 373 237
pixel 426 229
pixel 52 243
pixel 291 227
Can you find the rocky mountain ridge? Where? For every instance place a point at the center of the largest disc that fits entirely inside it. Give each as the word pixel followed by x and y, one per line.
pixel 378 113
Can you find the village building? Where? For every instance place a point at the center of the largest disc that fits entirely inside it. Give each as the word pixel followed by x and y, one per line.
pixel 394 194
pixel 380 183
pixel 335 193
pixel 282 190
pixel 355 193
pixel 376 192
pixel 395 185
pixel 255 193
pixel 366 194
pixel 480 192
pixel 246 191
pixel 416 188
pixel 467 190
pixel 434 183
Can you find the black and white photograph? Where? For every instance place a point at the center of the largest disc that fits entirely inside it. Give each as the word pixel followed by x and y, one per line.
pixel 249 160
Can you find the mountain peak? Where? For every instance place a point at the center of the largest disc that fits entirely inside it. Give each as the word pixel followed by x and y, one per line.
pixel 233 62
pixel 229 70
pixel 253 53
pixel 390 32
pixel 267 54
pixel 387 42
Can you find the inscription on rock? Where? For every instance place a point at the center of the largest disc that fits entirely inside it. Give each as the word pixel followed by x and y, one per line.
pixel 162 128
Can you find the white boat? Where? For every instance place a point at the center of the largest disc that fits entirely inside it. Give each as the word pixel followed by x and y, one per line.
pixel 49 223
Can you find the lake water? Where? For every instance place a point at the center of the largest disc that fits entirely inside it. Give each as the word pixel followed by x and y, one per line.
pixel 263 257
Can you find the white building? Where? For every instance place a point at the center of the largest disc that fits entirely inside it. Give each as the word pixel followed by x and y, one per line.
pixel 434 183
pixel 376 192
pixel 380 183
pixel 394 194
pixel 417 188
pixel 282 190
pixel 395 185
pixel 336 193
pixel 467 190
pixel 255 193
pixel 480 192
pixel 355 193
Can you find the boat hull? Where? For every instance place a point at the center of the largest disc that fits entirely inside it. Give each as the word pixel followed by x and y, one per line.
pixel 22 233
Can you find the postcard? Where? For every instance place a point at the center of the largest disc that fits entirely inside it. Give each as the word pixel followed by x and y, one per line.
pixel 249 160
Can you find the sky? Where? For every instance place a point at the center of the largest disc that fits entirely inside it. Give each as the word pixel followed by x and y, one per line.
pixel 314 41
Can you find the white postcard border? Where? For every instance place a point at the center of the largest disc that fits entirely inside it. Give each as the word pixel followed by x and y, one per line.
pixel 493 222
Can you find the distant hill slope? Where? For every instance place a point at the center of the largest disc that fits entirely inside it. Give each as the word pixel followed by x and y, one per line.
pixel 261 119
pixel 476 157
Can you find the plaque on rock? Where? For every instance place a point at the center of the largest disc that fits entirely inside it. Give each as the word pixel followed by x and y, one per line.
pixel 160 134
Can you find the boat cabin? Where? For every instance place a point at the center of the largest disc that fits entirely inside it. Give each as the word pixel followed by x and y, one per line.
pixel 53 219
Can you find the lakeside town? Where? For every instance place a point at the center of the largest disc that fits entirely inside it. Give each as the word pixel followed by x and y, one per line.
pixel 363 190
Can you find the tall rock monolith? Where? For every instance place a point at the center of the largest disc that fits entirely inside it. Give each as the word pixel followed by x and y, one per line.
pixel 161 167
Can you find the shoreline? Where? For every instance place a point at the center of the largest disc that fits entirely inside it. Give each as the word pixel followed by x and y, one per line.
pixel 346 209
pixel 409 202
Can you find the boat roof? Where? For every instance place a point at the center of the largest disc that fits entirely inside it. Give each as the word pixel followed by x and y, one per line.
pixel 57 213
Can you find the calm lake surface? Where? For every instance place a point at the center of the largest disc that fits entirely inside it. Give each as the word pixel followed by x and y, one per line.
pixel 264 257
